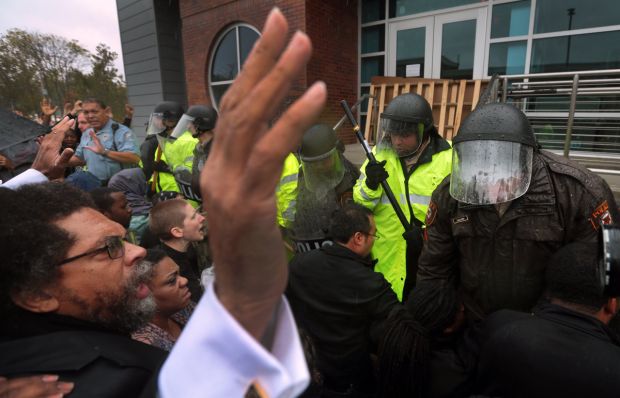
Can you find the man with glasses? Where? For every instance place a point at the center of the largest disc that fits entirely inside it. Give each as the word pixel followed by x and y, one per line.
pixel 72 291
pixel 341 302
pixel 243 315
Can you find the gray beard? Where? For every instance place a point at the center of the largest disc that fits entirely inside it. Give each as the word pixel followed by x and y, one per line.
pixel 124 313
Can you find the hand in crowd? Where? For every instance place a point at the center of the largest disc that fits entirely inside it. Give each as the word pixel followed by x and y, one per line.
pixel 44 386
pixel 240 177
pixel 48 160
pixel 97 146
pixel 6 162
pixel 46 108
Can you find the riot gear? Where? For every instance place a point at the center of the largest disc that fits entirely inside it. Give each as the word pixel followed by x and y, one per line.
pixel 406 115
pixel 165 115
pixel 202 117
pixel 321 161
pixel 492 157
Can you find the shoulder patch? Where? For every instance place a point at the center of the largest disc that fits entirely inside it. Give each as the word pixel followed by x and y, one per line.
pixel 431 214
pixel 601 215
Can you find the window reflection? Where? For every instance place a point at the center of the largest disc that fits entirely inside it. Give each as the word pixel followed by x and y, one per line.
pixel 510 19
pixel 579 52
pixel 558 15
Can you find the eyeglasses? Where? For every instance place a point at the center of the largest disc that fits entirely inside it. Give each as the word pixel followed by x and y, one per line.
pixel 375 235
pixel 114 245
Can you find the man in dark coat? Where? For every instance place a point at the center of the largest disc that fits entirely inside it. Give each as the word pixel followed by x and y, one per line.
pixel 507 207
pixel 564 348
pixel 72 290
pixel 341 302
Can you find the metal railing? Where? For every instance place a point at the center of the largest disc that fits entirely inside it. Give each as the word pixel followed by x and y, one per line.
pixel 575 113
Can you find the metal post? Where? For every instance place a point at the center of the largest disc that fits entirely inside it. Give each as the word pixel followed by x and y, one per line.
pixel 504 89
pixel 571 116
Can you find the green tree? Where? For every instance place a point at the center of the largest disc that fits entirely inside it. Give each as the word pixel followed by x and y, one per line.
pixel 33 65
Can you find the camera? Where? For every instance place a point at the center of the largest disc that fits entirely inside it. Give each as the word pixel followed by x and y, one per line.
pixel 609 259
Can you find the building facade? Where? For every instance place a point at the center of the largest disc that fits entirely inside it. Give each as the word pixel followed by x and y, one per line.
pixel 355 40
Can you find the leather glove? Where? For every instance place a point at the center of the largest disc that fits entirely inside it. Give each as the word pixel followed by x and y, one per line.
pixel 375 173
pixel 161 166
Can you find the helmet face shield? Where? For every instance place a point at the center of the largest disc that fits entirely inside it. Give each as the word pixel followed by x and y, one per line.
pixel 182 126
pixel 323 173
pixel 156 124
pixel 486 172
pixel 403 137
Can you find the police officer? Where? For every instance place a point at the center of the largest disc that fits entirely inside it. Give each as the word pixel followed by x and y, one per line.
pixel 199 122
pixel 161 124
pixel 414 159
pixel 507 207
pixel 312 187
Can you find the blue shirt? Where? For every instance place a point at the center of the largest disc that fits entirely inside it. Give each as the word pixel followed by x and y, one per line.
pixel 120 141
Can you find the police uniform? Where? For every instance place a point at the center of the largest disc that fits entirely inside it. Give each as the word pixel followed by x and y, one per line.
pixel 413 191
pixel 114 137
pixel 499 262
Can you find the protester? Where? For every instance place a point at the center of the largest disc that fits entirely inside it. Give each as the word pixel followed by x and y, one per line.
pixel 422 352
pixel 72 289
pixel 342 303
pixel 257 312
pixel 563 347
pixel 172 299
pixel 113 204
pixel 132 183
pixel 177 224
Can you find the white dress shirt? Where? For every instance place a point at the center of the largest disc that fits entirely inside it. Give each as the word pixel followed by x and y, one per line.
pixel 216 357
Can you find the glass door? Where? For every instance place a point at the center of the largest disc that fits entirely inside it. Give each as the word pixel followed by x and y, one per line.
pixel 459 39
pixel 448 46
pixel 410 48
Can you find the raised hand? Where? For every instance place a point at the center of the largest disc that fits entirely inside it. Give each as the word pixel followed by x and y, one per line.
pixel 46 107
pixel 238 182
pixel 48 161
pixel 97 146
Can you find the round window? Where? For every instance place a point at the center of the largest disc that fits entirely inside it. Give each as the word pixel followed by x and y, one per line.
pixel 232 49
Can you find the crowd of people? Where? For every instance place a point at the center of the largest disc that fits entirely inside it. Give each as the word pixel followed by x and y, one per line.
pixel 237 255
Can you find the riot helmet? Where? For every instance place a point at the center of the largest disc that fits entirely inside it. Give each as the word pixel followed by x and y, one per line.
pixel 321 159
pixel 202 117
pixel 164 117
pixel 492 156
pixel 406 116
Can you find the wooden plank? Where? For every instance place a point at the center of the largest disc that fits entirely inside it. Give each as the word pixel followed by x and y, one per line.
pixel 459 106
pixel 431 94
pixel 420 88
pixel 442 111
pixel 449 132
pixel 476 94
pixel 407 88
pixel 395 92
pixel 369 114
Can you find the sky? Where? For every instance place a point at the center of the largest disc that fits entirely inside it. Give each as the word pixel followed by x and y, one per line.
pixel 89 22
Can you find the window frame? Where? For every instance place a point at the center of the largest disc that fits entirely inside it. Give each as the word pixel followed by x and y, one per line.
pixel 221 35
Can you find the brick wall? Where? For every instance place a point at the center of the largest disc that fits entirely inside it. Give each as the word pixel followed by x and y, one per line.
pixel 332 26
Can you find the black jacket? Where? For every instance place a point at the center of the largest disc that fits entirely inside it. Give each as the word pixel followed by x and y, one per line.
pixel 342 304
pixel 553 352
pixel 499 263
pixel 100 362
